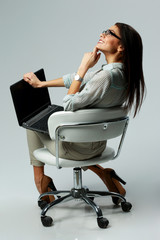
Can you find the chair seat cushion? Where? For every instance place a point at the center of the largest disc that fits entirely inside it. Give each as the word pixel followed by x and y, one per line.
pixel 43 155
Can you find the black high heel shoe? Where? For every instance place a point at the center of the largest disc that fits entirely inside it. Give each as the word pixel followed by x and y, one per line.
pixel 118 187
pixel 111 180
pixel 47 185
pixel 115 176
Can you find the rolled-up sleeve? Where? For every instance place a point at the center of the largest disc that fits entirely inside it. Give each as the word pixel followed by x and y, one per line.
pixel 68 78
pixel 91 94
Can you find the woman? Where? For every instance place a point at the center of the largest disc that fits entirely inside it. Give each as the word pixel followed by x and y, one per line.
pixel 119 82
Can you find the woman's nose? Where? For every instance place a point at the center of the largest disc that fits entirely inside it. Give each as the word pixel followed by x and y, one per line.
pixel 102 35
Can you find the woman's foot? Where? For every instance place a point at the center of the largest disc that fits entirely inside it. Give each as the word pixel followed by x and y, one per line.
pixel 111 180
pixel 45 184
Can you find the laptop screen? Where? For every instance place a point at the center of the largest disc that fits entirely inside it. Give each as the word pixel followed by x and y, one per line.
pixel 29 101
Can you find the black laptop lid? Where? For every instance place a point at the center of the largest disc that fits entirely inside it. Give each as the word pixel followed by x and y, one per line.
pixel 29 101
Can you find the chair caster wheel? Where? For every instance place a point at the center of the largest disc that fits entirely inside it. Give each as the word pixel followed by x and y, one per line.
pixel 126 206
pixel 102 222
pixel 46 221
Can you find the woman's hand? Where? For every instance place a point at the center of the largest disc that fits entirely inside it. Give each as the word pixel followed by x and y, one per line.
pixel 90 59
pixel 32 80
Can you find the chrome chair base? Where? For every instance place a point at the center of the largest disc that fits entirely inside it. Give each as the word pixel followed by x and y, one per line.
pixel 79 192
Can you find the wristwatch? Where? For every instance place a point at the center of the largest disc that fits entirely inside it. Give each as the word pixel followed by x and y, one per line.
pixel 78 78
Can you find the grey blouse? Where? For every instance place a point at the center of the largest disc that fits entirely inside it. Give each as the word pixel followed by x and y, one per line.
pixel 99 89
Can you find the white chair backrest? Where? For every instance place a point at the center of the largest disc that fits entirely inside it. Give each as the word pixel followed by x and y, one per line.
pixel 100 124
pixel 91 132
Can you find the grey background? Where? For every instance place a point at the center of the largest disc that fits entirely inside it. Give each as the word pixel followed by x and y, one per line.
pixel 54 35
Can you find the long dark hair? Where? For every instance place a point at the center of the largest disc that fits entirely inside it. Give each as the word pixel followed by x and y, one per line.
pixel 132 59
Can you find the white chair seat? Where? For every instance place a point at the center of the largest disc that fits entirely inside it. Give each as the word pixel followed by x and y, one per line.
pixel 45 156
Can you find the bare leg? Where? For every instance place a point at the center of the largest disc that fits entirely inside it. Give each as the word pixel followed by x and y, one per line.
pixel 38 176
pixel 43 183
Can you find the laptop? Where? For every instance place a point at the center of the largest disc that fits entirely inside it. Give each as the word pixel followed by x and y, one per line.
pixel 33 105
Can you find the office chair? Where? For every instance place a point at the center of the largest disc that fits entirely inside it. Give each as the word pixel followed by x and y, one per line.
pixel 87 125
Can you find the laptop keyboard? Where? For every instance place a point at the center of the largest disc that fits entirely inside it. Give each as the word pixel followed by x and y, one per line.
pixel 42 124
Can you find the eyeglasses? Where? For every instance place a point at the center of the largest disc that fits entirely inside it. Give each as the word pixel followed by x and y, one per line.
pixel 109 32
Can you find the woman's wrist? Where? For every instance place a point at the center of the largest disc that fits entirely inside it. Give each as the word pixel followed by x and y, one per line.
pixel 41 84
pixel 82 71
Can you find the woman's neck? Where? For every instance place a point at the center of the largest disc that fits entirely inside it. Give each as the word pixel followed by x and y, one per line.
pixel 113 58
